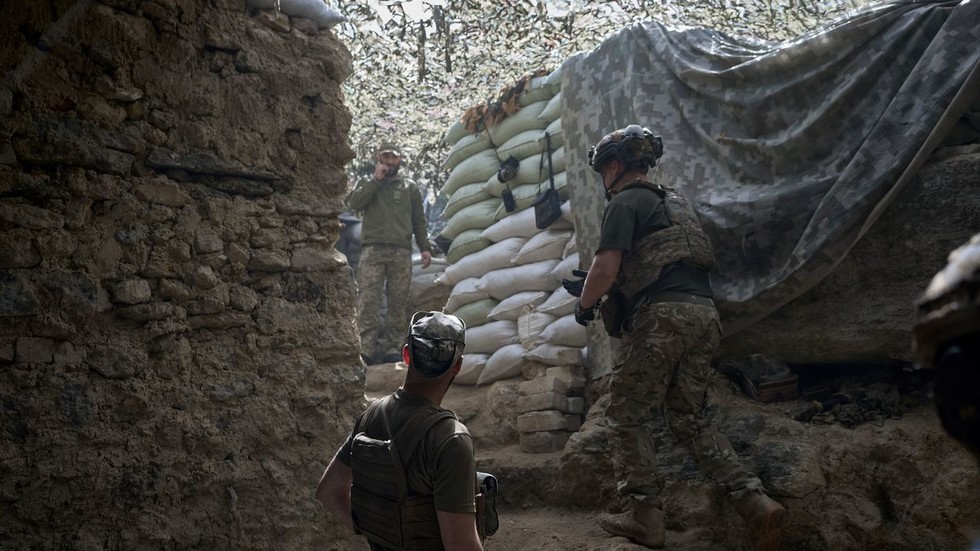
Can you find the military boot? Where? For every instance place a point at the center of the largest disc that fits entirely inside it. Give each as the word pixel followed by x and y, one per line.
pixel 643 524
pixel 765 518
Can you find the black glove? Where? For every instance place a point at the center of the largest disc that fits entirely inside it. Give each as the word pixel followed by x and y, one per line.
pixel 574 286
pixel 584 315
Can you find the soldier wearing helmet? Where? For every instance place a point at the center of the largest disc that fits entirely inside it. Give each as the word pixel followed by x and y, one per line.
pixel 651 265
pixel 392 215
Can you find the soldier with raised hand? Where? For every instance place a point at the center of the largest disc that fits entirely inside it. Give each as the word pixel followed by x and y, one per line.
pixel 392 214
pixel 406 478
pixel 651 265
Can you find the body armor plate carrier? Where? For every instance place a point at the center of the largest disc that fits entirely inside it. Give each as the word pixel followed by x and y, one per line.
pixel 683 240
pixel 381 508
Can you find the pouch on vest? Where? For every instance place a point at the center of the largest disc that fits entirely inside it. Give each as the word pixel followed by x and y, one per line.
pixel 613 311
pixel 487 520
pixel 547 204
pixel 380 506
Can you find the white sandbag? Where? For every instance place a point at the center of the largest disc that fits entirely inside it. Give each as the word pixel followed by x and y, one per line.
pixel 475 168
pixel 315 10
pixel 519 224
pixel 505 363
pixel 554 77
pixel 511 307
pixel 541 88
pixel 523 145
pixel 476 216
pixel 494 257
pixel 526 118
pixel 474 314
pixel 553 354
pixel 545 245
pixel 555 130
pixel 566 211
pixel 565 332
pixel 469 371
pixel 530 324
pixel 525 195
pixel 552 111
pixel 505 282
pixel 560 303
pixel 464 292
pixel 465 196
pixel 464 244
pixel 455 132
pixel 564 268
pixel 572 248
pixel 490 337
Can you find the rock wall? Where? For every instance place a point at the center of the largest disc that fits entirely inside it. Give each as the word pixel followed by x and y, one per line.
pixel 865 309
pixel 172 371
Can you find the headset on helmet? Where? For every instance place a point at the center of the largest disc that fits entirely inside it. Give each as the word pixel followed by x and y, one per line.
pixel 633 146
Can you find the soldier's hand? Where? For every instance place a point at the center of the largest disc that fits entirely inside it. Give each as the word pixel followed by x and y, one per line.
pixel 426 259
pixel 574 286
pixel 584 315
pixel 381 171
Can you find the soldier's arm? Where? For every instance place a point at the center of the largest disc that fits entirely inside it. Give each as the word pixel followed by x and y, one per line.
pixel 362 194
pixel 458 531
pixel 602 274
pixel 419 227
pixel 334 491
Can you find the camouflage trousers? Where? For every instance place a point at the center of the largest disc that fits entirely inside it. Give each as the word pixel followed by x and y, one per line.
pixel 664 362
pixel 384 272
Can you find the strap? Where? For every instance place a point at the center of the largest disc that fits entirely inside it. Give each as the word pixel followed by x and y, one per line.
pixel 551 172
pixel 411 433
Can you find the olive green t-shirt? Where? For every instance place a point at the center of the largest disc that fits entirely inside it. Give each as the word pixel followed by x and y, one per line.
pixel 442 466
pixel 637 212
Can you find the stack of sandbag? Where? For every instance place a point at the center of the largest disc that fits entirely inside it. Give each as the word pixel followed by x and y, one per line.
pixel 551 408
pixel 505 272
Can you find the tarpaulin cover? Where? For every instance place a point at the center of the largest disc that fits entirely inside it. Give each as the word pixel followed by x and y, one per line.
pixel 789 151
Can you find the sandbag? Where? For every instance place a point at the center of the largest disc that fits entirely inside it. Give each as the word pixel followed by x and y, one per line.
pixel 520 224
pixel 541 88
pixel 560 303
pixel 505 282
pixel 436 265
pixel 466 243
pixel 505 363
pixel 469 371
pixel 531 170
pixel 475 168
pixel 315 10
pixel 565 331
pixel 545 245
pixel 465 196
pixel 552 111
pixel 553 354
pixel 564 268
pixel 478 216
pixel 464 292
pixel 490 337
pixel 523 145
pixel 494 257
pixel 455 132
pixel 474 314
pixel 511 307
pixel 571 248
pixel 526 118
pixel 525 195
pixel 530 325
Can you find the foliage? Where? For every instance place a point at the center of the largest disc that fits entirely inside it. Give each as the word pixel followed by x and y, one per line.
pixel 420 63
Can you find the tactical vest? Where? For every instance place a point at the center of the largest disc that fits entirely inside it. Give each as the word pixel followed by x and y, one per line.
pixel 381 508
pixel 682 240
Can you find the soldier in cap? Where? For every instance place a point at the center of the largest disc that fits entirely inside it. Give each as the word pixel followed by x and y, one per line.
pixel 652 266
pixel 406 478
pixel 392 212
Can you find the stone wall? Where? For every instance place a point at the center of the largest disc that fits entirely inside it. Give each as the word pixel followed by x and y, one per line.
pixel 176 357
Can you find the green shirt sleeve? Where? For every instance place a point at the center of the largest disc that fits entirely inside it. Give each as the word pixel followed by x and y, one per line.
pixel 454 487
pixel 419 227
pixel 618 224
pixel 362 194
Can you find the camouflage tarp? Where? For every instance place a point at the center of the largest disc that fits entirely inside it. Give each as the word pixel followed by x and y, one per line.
pixel 789 151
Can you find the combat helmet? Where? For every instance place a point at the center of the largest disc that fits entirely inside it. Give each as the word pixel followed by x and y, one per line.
pixel 633 146
pixel 947 333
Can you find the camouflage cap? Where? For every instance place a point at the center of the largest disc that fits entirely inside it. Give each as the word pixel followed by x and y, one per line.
pixel 435 341
pixel 631 145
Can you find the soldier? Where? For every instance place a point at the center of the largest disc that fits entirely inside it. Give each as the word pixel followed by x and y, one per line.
pixel 392 214
pixel 429 481
pixel 652 265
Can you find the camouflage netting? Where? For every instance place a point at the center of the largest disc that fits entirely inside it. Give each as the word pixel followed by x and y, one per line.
pixel 753 132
